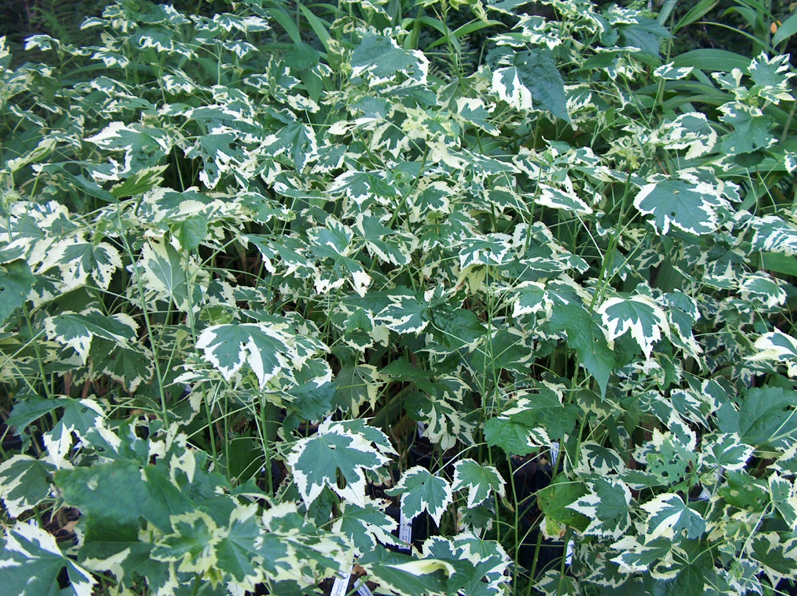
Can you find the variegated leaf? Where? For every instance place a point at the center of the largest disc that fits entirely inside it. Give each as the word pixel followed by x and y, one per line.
pixel 345 448
pixel 670 517
pixel 608 507
pixel 270 349
pixel 779 347
pixel 421 491
pixel 24 483
pixel 76 330
pixel 689 207
pixel 725 451
pixel 638 314
pixel 479 480
pixel 32 563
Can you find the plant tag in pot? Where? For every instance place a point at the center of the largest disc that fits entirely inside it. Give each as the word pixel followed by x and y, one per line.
pixel 341 585
pixel 405 531
pixel 362 589
pixel 554 453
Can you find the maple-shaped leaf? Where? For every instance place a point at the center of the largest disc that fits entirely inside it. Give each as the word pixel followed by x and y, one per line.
pixel 296 143
pixel 80 417
pixel 191 543
pixel 405 313
pixel 765 417
pixel 777 346
pixel 269 348
pixel 219 153
pixel 365 526
pixel 687 206
pixel 358 384
pixel 670 517
pixel 514 436
pixel 383 242
pixel 561 199
pixel 492 249
pixel 24 483
pixel 638 314
pixel 639 556
pixel 479 480
pixel 553 501
pixel 236 552
pixel 777 555
pixel 420 491
pixel 750 129
pixel 339 448
pixel 724 450
pixel 378 60
pixel 608 505
pixel 76 330
pixel 31 563
pixel 532 82
pixel 16 283
pixel 585 336
pixel 783 493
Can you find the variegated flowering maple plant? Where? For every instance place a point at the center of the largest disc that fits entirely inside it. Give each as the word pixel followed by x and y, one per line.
pixel 242 255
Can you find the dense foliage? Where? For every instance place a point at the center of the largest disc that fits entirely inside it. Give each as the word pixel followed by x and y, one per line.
pixel 252 264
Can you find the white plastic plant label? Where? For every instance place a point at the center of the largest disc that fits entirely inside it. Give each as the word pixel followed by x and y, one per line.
pixel 341 585
pixel 405 531
pixel 554 453
pixel 569 552
pixel 362 589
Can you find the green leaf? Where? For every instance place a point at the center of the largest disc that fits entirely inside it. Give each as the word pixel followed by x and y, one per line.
pixel 694 13
pixel 270 349
pixel 532 82
pixel 608 506
pixel 725 450
pixel 24 483
pixel 358 384
pixel 646 35
pixel 586 338
pixel 554 501
pixel 140 182
pixel 379 60
pixel 76 330
pixel 638 314
pixel 422 491
pixel 765 417
pixel 670 518
pixel 365 526
pixel 120 493
pixel 31 563
pixel 688 207
pixel 16 283
pixel 479 480
pixel 778 557
pixel 236 551
pixel 750 129
pixel 80 417
pixel 191 232
pixel 191 543
pixel 338 448
pixel 405 313
pixel 165 274
pixel 786 30
pixel 28 409
pixel 404 575
pixel 514 437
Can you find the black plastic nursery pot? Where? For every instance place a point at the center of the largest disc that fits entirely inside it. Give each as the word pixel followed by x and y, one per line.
pixel 530 474
pixel 548 556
